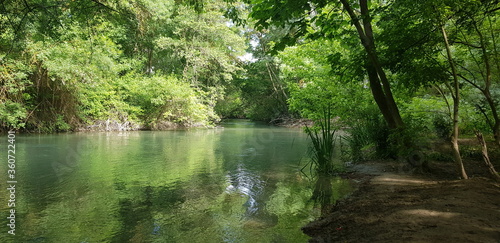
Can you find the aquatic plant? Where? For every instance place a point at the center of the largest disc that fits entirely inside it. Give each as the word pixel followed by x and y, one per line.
pixel 322 136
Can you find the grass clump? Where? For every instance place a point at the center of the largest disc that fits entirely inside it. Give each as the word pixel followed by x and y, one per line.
pixel 322 136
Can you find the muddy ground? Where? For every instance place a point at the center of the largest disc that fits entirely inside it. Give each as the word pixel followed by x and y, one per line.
pixel 395 205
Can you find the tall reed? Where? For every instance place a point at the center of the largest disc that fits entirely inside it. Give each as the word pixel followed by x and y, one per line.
pixel 322 136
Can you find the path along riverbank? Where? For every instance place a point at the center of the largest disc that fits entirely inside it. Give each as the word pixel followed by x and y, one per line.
pixel 392 206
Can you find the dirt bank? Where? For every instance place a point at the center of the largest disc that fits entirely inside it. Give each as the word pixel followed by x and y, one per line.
pixel 291 122
pixel 393 206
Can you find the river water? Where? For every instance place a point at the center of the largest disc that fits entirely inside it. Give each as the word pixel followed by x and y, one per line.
pixel 240 183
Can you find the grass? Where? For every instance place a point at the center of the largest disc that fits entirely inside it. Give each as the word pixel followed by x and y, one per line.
pixel 322 136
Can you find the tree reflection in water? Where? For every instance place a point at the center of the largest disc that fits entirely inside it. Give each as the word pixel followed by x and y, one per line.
pixel 323 193
pixel 251 185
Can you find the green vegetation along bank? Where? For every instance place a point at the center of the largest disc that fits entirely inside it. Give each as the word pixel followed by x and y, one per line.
pixel 394 74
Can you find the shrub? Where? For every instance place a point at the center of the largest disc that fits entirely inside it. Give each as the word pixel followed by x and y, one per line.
pixel 442 126
pixel 368 137
pixel 166 99
pixel 12 115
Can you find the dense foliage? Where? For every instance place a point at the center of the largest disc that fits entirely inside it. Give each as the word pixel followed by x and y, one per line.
pixel 67 65
pixel 392 72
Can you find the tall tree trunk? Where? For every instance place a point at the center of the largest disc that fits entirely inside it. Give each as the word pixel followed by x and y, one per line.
pixel 496 125
pixel 487 82
pixel 487 76
pixel 379 83
pixel 372 54
pixel 456 103
pixel 379 96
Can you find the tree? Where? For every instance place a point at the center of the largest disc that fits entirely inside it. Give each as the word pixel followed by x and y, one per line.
pixel 456 102
pixel 477 50
pixel 319 18
pixel 432 42
pixel 456 89
pixel 379 83
pixel 263 90
pixel 75 64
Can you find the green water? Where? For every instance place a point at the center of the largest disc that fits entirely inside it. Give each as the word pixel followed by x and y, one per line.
pixel 240 183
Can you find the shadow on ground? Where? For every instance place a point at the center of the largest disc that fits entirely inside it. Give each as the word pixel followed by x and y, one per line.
pixel 398 207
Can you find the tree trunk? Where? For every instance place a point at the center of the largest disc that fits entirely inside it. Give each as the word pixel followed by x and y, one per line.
pixel 456 103
pixel 372 54
pixel 496 126
pixel 378 95
pixel 487 82
pixel 379 83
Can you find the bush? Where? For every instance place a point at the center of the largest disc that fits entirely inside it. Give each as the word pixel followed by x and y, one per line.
pixel 368 137
pixel 12 115
pixel 442 126
pixel 166 99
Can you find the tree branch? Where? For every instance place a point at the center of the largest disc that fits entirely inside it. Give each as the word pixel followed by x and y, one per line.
pixel 104 6
pixel 466 44
pixel 488 120
pixel 470 82
pixel 492 10
pixel 445 99
pixel 468 71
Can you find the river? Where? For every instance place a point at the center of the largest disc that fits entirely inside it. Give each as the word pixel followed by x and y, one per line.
pixel 239 183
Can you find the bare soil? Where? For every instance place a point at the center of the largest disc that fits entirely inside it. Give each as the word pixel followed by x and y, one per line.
pixel 291 122
pixel 394 205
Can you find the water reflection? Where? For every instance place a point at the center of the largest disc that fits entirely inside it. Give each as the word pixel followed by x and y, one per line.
pixel 238 184
pixel 250 185
pixel 323 193
pixel 327 190
pixel 247 183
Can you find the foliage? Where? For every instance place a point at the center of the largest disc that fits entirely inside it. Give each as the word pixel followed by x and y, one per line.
pixel 318 75
pixel 410 53
pixel 415 51
pixel 232 105
pixel 68 66
pixel 262 91
pixel 12 114
pixel 368 137
pixel 167 99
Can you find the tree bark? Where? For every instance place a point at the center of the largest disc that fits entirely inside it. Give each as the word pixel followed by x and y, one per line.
pixel 379 84
pixel 378 95
pixel 456 102
pixel 496 126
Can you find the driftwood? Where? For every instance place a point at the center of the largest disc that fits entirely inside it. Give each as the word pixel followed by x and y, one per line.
pixel 486 158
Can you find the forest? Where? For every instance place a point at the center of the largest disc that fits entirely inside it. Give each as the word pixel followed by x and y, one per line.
pixel 392 74
pixel 410 88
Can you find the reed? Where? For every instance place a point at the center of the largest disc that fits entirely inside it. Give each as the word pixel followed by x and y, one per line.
pixel 322 136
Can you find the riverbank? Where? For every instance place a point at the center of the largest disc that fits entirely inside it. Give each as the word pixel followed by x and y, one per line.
pixel 291 122
pixel 392 206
